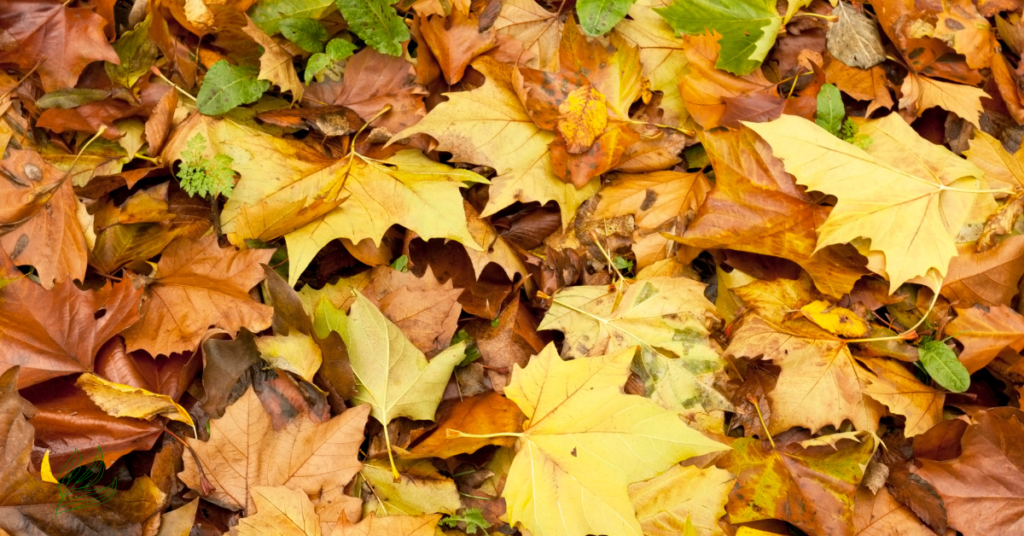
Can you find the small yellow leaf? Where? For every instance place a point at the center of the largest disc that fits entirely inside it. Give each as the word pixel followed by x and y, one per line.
pixel 45 472
pixel 837 320
pixel 126 401
pixel 295 352
pixel 583 116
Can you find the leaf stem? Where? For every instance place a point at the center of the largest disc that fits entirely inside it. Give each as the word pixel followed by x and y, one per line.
pixel 391 458
pixel 829 18
pixel 449 433
pixel 764 426
pixel 175 86
pixel 910 333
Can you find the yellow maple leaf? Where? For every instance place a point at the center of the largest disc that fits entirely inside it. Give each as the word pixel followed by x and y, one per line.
pixel 837 320
pixel 489 126
pixel 586 441
pixel 908 196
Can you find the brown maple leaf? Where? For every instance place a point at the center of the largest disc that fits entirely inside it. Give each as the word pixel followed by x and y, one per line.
pixel 198 285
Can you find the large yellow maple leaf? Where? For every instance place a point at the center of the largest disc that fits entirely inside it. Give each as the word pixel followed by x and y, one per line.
pixel 289 189
pixel 585 443
pixel 490 126
pixel 907 195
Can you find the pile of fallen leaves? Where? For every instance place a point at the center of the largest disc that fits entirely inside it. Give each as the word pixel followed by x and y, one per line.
pixel 538 267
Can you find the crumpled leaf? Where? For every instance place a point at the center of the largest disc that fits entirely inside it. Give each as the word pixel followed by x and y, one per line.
pixel 898 388
pixel 488 413
pixel 587 441
pixel 276 61
pixel 921 93
pixel 986 332
pixel 922 212
pixel 748 28
pixel 40 219
pixel 295 352
pixel 197 285
pixel 667 317
pixel 853 39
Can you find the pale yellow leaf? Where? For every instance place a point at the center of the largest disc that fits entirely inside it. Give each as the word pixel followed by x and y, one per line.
pixel 420 490
pixel 280 511
pixel 587 441
pixel 667 316
pixel 896 387
pixel 907 195
pixel 489 126
pixel 682 496
pixel 921 93
pixel 295 352
pixel 179 522
pixel 126 401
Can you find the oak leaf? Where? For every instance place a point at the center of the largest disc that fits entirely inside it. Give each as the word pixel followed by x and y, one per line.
pixel 810 486
pixel 667 317
pixel 983 488
pixel 198 285
pixel 69 39
pixel 905 194
pixel 986 332
pixel 585 443
pixel 244 451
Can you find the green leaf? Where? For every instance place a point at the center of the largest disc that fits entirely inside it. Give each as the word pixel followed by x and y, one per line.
pixel 268 14
pixel 830 109
pixel 377 23
pixel 227 86
pixel 600 16
pixel 137 53
pixel 942 365
pixel 307 33
pixel 748 28
pixel 203 176
pixel 401 264
pixel 339 49
pixel 472 517
pixel 70 98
